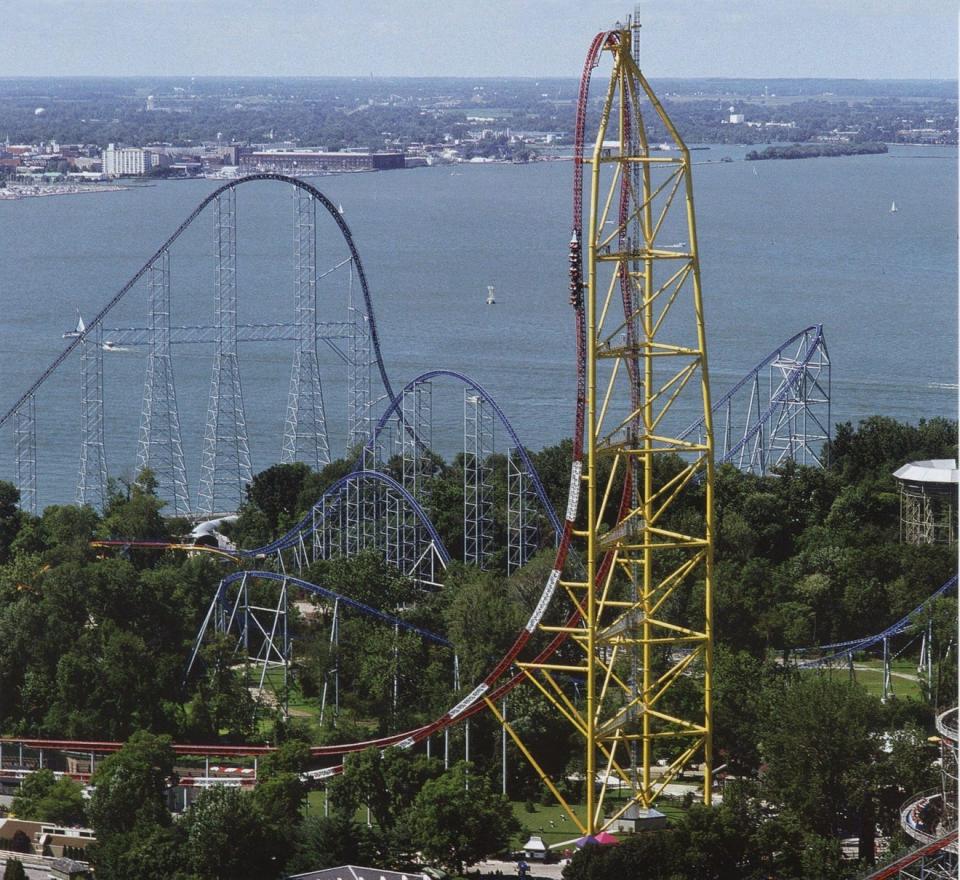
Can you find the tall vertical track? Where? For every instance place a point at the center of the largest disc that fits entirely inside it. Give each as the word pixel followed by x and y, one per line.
pixel 643 602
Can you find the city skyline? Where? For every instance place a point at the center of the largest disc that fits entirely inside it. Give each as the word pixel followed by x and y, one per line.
pixel 737 38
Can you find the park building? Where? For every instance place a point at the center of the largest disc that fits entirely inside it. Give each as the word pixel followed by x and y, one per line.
pixel 928 501
pixel 43 839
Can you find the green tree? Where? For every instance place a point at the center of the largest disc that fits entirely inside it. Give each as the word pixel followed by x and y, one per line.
pixel 387 782
pixel 14 870
pixel 133 511
pixel 482 620
pixel 815 730
pixel 43 797
pixel 272 500
pixel 453 826
pixel 330 841
pixel 655 855
pixel 9 517
pixel 32 790
pixel 149 852
pixel 228 838
pixel 280 792
pixel 130 786
pixel 221 705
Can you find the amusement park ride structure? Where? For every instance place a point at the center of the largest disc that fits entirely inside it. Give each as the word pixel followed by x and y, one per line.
pixel 645 349
pixel 637 583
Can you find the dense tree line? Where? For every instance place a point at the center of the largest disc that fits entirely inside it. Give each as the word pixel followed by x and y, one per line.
pixel 93 644
pixel 814 151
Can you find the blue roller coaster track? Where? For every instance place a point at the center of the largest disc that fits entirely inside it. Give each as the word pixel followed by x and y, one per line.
pixel 844 650
pixel 97 320
pixel 293 536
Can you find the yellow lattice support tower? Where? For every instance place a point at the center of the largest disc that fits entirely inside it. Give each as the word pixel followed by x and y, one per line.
pixel 644 591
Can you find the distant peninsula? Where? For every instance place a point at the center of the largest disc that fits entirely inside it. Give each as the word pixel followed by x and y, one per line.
pixel 812 151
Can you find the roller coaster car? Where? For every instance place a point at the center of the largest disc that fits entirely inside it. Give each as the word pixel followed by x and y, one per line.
pixel 209 540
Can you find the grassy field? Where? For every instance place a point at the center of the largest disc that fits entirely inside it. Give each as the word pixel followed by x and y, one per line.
pixel 548 821
pixel 553 824
pixel 869 674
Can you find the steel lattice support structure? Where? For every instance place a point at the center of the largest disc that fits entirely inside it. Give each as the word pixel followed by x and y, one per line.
pixel 645 354
pixel 92 482
pixel 262 637
pixel 225 463
pixel 225 469
pixel 779 411
pixel 415 433
pixel 360 363
pixel 25 450
pixel 160 446
pixel 305 430
pixel 521 524
pixel 800 382
pixel 478 442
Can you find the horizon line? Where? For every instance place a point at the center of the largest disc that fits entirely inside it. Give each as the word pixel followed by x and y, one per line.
pixel 371 76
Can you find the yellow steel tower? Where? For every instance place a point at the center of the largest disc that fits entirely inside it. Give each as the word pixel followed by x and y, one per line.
pixel 644 591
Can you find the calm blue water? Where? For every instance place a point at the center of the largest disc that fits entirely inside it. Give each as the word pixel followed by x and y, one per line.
pixel 783 245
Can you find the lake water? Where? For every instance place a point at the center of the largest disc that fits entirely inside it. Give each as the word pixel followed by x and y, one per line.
pixel 783 244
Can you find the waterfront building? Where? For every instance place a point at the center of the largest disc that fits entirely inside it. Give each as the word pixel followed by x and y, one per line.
pixel 294 161
pixel 126 161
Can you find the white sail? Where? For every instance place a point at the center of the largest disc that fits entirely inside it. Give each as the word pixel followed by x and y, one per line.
pixel 81 328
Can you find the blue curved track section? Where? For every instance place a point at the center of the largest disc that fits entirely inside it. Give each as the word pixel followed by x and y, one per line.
pixel 291 538
pixel 895 629
pixel 317 590
pixel 815 333
pixel 483 393
pixel 331 209
pixel 332 496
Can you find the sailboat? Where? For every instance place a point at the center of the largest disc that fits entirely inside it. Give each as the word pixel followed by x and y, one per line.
pixel 491 299
pixel 893 207
pixel 73 334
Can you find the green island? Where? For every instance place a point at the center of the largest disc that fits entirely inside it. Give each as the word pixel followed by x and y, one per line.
pixel 814 151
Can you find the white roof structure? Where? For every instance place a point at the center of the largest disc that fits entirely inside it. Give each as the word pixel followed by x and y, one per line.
pixel 356 872
pixel 936 470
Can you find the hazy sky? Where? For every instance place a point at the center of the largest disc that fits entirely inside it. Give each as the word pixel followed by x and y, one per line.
pixel 753 38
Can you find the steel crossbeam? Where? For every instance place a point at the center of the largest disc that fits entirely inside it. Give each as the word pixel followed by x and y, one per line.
pixel 360 361
pixel 521 524
pixel 328 332
pixel 415 434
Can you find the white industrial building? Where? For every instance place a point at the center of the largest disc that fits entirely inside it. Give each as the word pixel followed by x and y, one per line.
pixel 126 161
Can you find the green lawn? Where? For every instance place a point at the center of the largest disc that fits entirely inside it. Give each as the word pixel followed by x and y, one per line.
pixel 555 826
pixel 538 822
pixel 872 678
